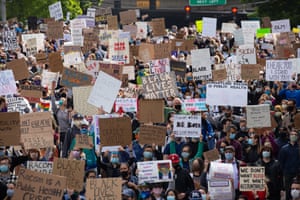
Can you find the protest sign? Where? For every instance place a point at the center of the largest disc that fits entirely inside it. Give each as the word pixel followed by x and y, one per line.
pixel 246 54
pixel 187 126
pixel 252 179
pixel 250 26
pixel 41 58
pixel 262 32
pixel 72 58
pixel 158 27
pixel 55 30
pixel 220 189
pixel 279 70
pixel 227 94
pixel 102 13
pixel 76 31
pixel 55 62
pixel 127 17
pixel 10 41
pixel 48 78
pixel 297 121
pixel 267 46
pixel 42 186
pixel 238 37
pixel 296 65
pixel 92 68
pixel 211 155
pixel 19 67
pixel 160 86
pixel 115 131
pixel 228 27
pixel 55 11
pixel 162 51
pixel 32 93
pixel 258 116
pixel 194 105
pixel 130 71
pixel 201 64
pixel 233 71
pixel 17 104
pixel 39 40
pixel 178 67
pixel 112 22
pixel 151 111
pixel 150 134
pixel 209 27
pixel 83 141
pixel 91 12
pixel 126 104
pixel 154 171
pixel 90 41
pixel 119 51
pixel 104 91
pixel 73 170
pixel 10 131
pixel 141 29
pixel 111 188
pixel 132 29
pixel 221 170
pixel 183 45
pixel 72 78
pixel 281 26
pixel 31 47
pixel 199 25
pixel 266 22
pixel 250 72
pixel 219 75
pixel 7 83
pixel 80 97
pixel 159 66
pixel 146 52
pixel 40 166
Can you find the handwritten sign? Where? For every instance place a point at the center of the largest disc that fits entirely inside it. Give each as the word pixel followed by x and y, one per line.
pixel 279 70
pixel 159 66
pixel 119 51
pixel 9 39
pixel 80 97
pixel 211 155
pixel 151 111
pixel 258 116
pixel 246 55
pixel 115 131
pixel 281 26
pixel 219 74
pixel 71 78
pixel 31 47
pixel 40 166
pixel 73 170
pixel 194 105
pixel 7 82
pixel 126 104
pixel 48 78
pixel 83 141
pixel 158 27
pixel 160 86
pixel 111 188
pixel 43 186
pixel 19 67
pixel 152 134
pixel 112 22
pixel 127 17
pixel 56 11
pixel 32 93
pixel 201 64
pixel 55 62
pixel 252 179
pixel 55 30
pixel 187 126
pixel 220 189
pixel 10 128
pixel 17 104
pixel 209 27
pixel 250 72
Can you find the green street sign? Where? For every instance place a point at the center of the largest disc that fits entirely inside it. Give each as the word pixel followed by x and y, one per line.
pixel 206 2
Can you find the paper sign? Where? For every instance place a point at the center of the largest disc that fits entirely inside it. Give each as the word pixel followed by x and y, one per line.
pixel 151 111
pixel 126 104
pixel 258 116
pixel 250 26
pixel 119 51
pixel 246 55
pixel 194 105
pixel 187 126
pixel 201 64
pixel 199 26
pixel 146 52
pixel 250 72
pixel 73 170
pixel 219 75
pixel 104 91
pixel 19 67
pixel 56 11
pixel 9 128
pixel 159 66
pixel 17 104
pixel 252 179
pixel 160 86
pixel 80 97
pixel 281 26
pixel 32 93
pixel 48 78
pixel 209 27
pixel 72 78
pixel 279 70
pixel 111 188
pixel 83 141
pixel 112 22
pixel 220 189
pixel 115 131
pixel 43 186
pixel 228 27
pixel 158 27
pixel 55 62
pixel 130 71
pixel 217 94
pixel 239 37
pixel 127 17
pixel 40 166
pixel 211 155
pixel 55 30
pixel 31 47
pixel 155 171
pixel 39 40
pixel 10 41
pixel 152 134
pixel 178 67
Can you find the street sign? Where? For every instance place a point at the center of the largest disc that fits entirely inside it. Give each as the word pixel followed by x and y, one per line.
pixel 206 2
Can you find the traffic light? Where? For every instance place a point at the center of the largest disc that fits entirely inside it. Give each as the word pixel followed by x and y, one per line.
pixel 234 10
pixel 187 10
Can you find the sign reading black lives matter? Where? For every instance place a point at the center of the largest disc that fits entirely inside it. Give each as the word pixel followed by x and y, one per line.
pixel 160 86
pixel 10 41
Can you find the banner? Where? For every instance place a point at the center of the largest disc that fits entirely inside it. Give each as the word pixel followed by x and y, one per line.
pixel 201 64
pixel 160 86
pixel 187 126
pixel 159 66
pixel 119 51
pixel 10 128
pixel 209 27
pixel 227 94
pixel 80 98
pixel 40 166
pixel 151 111
pixel 252 179
pixel 279 70
pixel 72 78
pixel 10 41
pixel 193 105
pixel 126 104
pixel 111 188
pixel 258 116
pixel 55 11
pixel 150 134
pixel 246 54
pixel 281 26
pixel 155 171
pixel 39 185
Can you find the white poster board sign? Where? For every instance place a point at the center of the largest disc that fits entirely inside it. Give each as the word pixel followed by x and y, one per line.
pixel 250 26
pixel 48 78
pixel 252 179
pixel 246 54
pixel 209 27
pixel 279 70
pixel 91 12
pixel 159 66
pixel 119 51
pixel 40 166
pixel 127 104
pixel 281 26
pixel 39 40
pixel 258 116
pixel 187 126
pixel 221 170
pixel 80 97
pixel 7 83
pixel 220 189
pixel 130 71
pixel 201 64
pixel 56 11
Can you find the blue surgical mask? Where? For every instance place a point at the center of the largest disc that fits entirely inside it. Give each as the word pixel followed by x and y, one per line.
pixel 232 136
pixel 84 131
pixel 228 156
pixel 4 168
pixel 266 154
pixel 114 160
pixel 268 92
pixel 250 141
pixel 10 192
pixel 147 154
pixel 185 154
pixel 203 196
pixel 2 153
pixel 170 197
pixel 191 87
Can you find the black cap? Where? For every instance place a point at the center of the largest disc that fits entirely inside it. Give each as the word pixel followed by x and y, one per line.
pixel 77 116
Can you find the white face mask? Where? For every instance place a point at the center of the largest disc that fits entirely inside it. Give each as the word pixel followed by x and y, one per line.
pixel 170 103
pixel 188 97
pixel 295 193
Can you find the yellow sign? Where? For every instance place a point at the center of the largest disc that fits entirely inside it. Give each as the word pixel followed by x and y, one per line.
pixel 199 25
pixel 145 4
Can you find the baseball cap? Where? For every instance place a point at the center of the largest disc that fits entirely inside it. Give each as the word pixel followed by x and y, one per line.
pixel 77 116
pixel 174 158
pixel 128 192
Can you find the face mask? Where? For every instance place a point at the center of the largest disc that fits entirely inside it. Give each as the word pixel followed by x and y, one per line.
pixel 124 174
pixel 147 154
pixel 188 97
pixel 250 141
pixel 177 107
pixel 157 190
pixel 290 108
pixel 203 196
pixel 84 131
pixel 76 154
pixel 61 102
pixel 2 153
pixel 232 136
pixel 277 114
pixel 4 168
pixel 34 155
pixel 293 138
pixel 114 160
pixel 10 192
pixel 191 87
pixel 185 154
pixel 295 193
pixel 228 156
pixel 284 106
pixel 189 78
pixel 266 154
pixel 268 92
pixel 170 103
pixel 170 197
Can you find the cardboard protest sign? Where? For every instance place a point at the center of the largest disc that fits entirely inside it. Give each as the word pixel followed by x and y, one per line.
pixel 55 30
pixel 10 131
pixel 152 134
pixel 151 111
pixel 19 67
pixel 219 75
pixel 72 78
pixel 258 116
pixel 193 105
pixel 217 94
pixel 233 72
pixel 73 170
pixel 9 40
pixel 55 62
pixel 209 27
pixel 80 97
pixel 178 67
pixel 127 17
pixel 48 78
pixel 187 126
pixel 41 58
pixel 44 186
pixel 282 52
pixel 211 155
pixel 162 51
pixel 279 70
pixel 102 14
pixel 126 104
pixel 182 45
pixel 155 171
pixel 220 189
pixel 201 64
pixel 111 188
pixel 40 166
pixel 158 27
pixel 132 29
pixel 146 52
pixel 114 70
pixel 266 22
pixel 31 47
pixel 32 93
pixel 90 40
pixel 159 66
pixel 104 91
pixel 115 131
pixel 130 71
pixel 83 141
pixel 119 51
pixel 252 179
pixel 250 72
pixel 246 55
pixel 112 22
pixel 7 82
pixel 281 26
pixel 55 11
pixel 160 86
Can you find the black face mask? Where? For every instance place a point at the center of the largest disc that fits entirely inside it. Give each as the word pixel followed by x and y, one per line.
pixel 227 114
pixel 177 107
pixel 124 174
pixel 290 108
